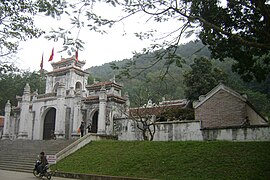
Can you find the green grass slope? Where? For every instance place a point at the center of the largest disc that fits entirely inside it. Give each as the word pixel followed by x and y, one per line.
pixel 172 160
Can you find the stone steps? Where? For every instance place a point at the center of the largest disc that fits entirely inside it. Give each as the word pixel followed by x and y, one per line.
pixel 20 155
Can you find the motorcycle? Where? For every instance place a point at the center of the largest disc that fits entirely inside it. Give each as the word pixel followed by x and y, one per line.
pixel 46 171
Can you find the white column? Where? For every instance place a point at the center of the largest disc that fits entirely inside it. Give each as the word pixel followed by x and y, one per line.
pixel 24 114
pixel 6 130
pixel 76 120
pixel 60 112
pixel 102 111
pixel 49 84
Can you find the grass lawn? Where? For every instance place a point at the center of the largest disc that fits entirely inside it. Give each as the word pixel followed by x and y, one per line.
pixel 172 160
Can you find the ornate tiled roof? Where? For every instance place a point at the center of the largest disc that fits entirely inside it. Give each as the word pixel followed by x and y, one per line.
pixel 65 70
pixel 97 86
pixel 154 110
pixel 110 97
pixel 67 61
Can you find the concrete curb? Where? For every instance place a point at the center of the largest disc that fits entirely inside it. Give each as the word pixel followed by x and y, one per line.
pixel 93 176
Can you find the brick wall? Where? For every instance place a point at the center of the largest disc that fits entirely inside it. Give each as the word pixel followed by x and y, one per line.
pixel 221 110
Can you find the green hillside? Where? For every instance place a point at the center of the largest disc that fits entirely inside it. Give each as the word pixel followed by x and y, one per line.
pixel 172 160
pixel 152 84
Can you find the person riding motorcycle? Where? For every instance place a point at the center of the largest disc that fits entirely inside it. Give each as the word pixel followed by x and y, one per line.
pixel 43 163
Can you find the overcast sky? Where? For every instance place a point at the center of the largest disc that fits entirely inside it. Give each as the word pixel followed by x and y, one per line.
pixel 99 49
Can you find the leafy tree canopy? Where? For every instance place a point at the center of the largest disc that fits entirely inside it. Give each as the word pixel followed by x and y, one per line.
pixel 17 21
pixel 202 78
pixel 13 83
pixel 235 29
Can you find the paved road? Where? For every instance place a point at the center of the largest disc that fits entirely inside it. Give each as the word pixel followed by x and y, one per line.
pixel 13 175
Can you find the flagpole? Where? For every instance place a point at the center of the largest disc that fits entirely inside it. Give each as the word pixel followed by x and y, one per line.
pixel 41 72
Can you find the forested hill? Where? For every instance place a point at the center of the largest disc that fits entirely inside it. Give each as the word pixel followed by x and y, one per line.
pixel 191 49
pixel 148 84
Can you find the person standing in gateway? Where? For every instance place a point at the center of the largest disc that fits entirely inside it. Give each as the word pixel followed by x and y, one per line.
pixel 82 128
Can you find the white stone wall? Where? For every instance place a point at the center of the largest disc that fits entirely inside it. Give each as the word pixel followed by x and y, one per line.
pixel 126 130
pixel 190 131
pixel 252 133
pixel 178 131
pixel 165 131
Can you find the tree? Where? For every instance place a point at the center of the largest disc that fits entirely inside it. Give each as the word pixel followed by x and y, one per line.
pixel 235 29
pixel 202 78
pixel 17 21
pixel 144 118
pixel 151 87
pixel 144 115
pixel 17 24
pixel 260 100
pixel 147 116
pixel 240 30
pixel 13 84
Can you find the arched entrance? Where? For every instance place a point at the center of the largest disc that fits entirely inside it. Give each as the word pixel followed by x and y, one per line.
pixel 49 124
pixel 94 124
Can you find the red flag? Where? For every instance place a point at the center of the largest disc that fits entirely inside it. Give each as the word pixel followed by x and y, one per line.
pixel 51 57
pixel 76 55
pixel 41 63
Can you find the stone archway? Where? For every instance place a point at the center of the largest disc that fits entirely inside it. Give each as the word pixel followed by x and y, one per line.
pixel 49 124
pixel 94 124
